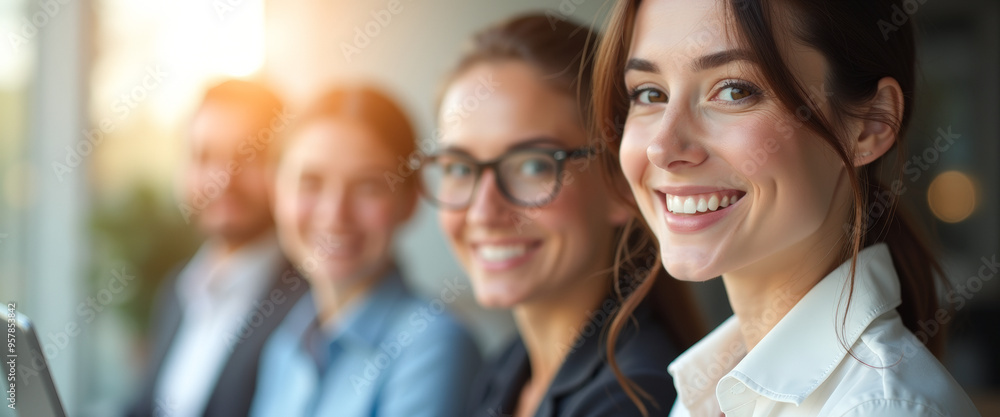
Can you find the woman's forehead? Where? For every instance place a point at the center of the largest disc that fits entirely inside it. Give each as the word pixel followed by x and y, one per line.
pixel 520 107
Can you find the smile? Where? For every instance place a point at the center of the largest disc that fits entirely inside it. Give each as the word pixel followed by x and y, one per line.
pixel 692 213
pixel 701 203
pixel 502 256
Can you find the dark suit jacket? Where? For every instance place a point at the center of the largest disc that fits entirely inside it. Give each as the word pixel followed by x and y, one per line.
pixel 585 385
pixel 234 390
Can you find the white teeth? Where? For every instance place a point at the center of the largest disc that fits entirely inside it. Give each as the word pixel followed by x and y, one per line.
pixel 703 204
pixel 498 253
pixel 689 206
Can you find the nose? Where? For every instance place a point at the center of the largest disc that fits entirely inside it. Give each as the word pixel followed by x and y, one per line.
pixel 213 174
pixel 675 145
pixel 333 210
pixel 488 206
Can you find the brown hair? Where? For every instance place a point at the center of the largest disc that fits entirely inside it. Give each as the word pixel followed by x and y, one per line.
pixel 555 47
pixel 563 50
pixel 859 55
pixel 374 110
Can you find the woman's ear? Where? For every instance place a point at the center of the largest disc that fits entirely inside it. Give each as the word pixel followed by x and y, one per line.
pixel 880 126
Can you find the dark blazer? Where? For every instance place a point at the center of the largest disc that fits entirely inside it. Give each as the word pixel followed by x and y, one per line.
pixel 585 385
pixel 234 390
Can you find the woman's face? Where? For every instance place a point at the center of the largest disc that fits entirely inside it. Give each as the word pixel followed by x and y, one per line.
pixel 335 212
pixel 517 254
pixel 727 178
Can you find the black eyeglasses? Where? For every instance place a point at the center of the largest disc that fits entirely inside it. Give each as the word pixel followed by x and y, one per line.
pixel 526 177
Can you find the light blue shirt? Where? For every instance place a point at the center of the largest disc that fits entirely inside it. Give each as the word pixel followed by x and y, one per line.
pixel 392 354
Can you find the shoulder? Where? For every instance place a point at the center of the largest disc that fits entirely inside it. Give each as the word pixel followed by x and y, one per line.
pixel 497 379
pixel 428 335
pixel 423 319
pixel 642 355
pixel 885 407
pixel 605 396
pixel 502 367
pixel 893 374
pixel 644 347
pixel 430 352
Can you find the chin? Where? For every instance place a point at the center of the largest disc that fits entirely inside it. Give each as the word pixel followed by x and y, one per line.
pixel 347 274
pixel 496 299
pixel 686 270
pixel 691 277
pixel 493 304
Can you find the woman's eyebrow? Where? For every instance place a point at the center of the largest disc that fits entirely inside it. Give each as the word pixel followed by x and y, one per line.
pixel 534 142
pixel 525 144
pixel 455 150
pixel 644 65
pixel 700 64
pixel 719 59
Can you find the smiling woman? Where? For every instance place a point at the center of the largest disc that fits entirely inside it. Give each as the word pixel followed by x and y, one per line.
pixel 529 216
pixel 361 344
pixel 754 132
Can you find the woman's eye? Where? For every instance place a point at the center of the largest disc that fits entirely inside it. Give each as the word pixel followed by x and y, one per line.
pixel 457 170
pixel 536 167
pixel 369 187
pixel 735 92
pixel 649 96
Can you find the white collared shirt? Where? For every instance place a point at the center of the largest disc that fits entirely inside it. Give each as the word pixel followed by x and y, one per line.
pixel 215 297
pixel 800 368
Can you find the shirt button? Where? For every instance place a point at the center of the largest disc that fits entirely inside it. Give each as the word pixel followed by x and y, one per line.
pixel 738 389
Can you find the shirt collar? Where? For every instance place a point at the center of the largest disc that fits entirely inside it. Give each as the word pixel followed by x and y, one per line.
pixel 801 351
pixel 241 274
pixel 362 324
pixel 365 322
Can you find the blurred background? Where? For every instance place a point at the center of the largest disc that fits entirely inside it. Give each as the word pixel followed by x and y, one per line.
pixel 95 97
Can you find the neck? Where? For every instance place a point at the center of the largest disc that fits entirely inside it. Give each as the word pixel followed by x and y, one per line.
pixel 550 327
pixel 763 293
pixel 331 297
pixel 229 245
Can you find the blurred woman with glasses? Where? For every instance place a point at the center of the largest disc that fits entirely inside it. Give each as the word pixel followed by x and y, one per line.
pixel 535 224
pixel 360 344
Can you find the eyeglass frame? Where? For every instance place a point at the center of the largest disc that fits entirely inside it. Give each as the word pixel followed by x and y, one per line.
pixel 559 155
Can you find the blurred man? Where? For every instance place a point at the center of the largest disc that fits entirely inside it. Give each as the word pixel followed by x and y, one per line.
pixel 212 317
